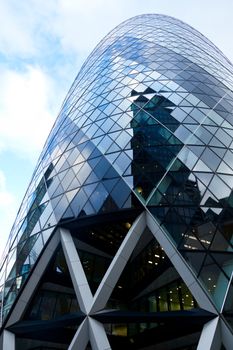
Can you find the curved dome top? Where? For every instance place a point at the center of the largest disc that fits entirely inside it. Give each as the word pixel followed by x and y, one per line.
pixel 146 123
pixel 168 32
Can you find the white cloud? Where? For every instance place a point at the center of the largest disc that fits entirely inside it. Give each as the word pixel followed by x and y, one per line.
pixel 8 205
pixel 15 36
pixel 80 25
pixel 30 26
pixel 6 198
pixel 25 117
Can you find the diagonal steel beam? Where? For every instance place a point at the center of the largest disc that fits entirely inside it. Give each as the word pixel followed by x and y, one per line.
pixel 33 280
pixel 227 336
pixel 210 336
pixel 81 337
pixel 180 265
pixel 118 263
pixel 98 337
pixel 80 283
pixel 7 340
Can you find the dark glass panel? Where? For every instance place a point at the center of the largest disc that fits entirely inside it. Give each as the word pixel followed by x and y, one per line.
pixel 214 280
pixel 149 283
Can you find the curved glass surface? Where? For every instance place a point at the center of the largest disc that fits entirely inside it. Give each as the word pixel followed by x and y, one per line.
pixel 147 124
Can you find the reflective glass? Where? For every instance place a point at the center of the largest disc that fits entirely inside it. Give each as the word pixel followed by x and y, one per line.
pixel 146 125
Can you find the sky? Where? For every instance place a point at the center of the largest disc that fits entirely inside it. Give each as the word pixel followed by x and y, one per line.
pixel 43 45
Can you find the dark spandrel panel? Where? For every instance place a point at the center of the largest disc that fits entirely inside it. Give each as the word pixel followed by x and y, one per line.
pixel 194 258
pixel 221 241
pixel 228 306
pixel 224 261
pixel 214 279
pixel 120 193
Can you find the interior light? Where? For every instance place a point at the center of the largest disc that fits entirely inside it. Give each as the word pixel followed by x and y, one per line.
pixel 128 225
pixel 139 189
pixel 18 281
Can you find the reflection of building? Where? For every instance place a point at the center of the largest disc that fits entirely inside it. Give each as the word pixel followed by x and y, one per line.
pixel 124 237
pixel 153 144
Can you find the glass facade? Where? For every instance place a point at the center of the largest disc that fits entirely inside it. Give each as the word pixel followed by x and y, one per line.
pixel 146 127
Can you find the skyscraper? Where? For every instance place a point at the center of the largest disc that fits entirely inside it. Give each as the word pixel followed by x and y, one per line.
pixel 124 236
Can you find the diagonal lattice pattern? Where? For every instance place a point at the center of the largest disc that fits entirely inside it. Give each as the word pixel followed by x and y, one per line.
pixel 146 125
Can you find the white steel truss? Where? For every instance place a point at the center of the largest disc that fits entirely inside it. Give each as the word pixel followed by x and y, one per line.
pixel 215 332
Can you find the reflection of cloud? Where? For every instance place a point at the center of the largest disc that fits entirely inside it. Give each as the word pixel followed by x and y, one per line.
pixel 24 113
